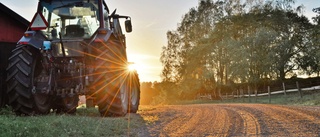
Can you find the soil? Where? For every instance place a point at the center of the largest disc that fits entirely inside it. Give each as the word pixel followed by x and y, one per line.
pixel 231 120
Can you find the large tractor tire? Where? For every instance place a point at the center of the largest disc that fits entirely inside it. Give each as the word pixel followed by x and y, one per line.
pixel 134 92
pixel 112 100
pixel 111 94
pixel 27 80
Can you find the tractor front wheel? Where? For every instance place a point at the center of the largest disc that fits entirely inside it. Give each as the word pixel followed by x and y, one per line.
pixel 134 92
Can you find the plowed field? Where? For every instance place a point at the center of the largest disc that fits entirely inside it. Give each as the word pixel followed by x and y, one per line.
pixel 232 120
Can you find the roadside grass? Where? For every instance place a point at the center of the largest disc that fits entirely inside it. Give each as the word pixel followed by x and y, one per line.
pixel 308 99
pixel 85 123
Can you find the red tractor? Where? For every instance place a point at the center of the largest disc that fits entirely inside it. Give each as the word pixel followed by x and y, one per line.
pixel 72 48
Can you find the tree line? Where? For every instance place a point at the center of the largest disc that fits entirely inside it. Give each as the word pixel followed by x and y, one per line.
pixel 221 43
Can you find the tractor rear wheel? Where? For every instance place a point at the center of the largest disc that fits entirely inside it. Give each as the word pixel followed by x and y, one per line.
pixel 112 99
pixel 134 93
pixel 110 93
pixel 27 80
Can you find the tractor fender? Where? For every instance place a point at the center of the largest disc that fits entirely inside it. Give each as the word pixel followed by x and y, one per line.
pixel 33 38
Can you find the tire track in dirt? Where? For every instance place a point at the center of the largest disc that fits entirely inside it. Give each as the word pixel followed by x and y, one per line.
pixel 268 125
pixel 234 120
pixel 236 128
pixel 251 125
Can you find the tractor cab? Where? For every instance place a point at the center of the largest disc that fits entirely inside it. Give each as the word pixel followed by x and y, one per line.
pixel 72 19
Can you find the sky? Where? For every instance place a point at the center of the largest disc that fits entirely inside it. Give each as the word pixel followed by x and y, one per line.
pixel 151 19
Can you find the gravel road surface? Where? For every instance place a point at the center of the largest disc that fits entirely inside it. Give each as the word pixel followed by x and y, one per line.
pixel 252 120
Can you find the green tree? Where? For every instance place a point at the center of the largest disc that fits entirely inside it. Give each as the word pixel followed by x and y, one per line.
pixel 316 19
pixel 172 58
pixel 310 60
pixel 221 43
pixel 292 34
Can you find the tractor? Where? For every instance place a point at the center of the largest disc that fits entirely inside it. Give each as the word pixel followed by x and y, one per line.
pixel 72 48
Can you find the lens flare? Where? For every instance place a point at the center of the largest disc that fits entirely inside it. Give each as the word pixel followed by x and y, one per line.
pixel 132 66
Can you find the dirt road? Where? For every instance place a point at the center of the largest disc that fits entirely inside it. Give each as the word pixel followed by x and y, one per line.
pixel 231 120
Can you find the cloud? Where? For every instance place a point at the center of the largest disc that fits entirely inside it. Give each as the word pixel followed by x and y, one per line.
pixel 150 24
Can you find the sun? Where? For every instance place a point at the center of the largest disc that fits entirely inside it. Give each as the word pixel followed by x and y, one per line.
pixel 132 66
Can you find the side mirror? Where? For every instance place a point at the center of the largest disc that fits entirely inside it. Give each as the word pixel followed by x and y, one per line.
pixel 128 26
